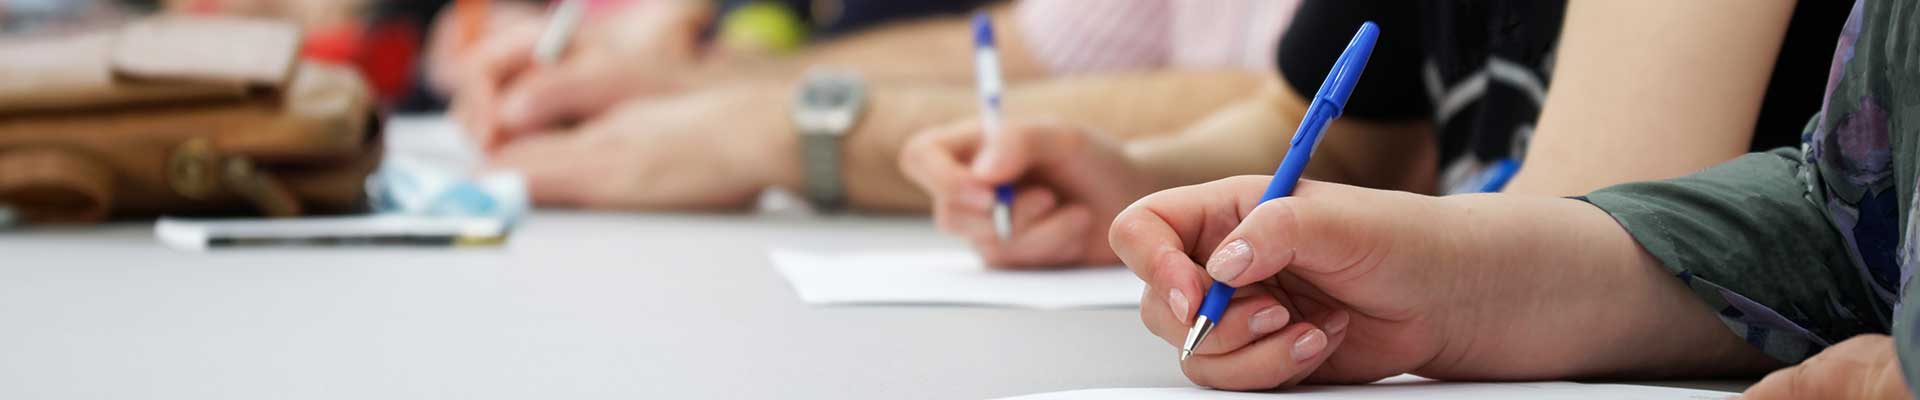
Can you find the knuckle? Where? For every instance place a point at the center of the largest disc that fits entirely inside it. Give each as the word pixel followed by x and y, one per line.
pixel 943 219
pixel 1196 376
pixel 1126 228
pixel 1771 384
pixel 1146 316
pixel 1250 381
pixel 1802 382
pixel 948 185
pixel 1043 198
pixel 991 252
pixel 912 166
pixel 921 141
pixel 1069 138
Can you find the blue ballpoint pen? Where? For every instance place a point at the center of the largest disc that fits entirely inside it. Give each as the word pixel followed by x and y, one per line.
pixel 986 72
pixel 1499 174
pixel 1326 106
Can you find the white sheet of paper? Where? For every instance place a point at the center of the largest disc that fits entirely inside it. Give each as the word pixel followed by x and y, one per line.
pixel 1405 387
pixel 432 140
pixel 948 277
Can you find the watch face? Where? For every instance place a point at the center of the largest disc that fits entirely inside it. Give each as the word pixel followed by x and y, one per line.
pixel 829 94
pixel 828 104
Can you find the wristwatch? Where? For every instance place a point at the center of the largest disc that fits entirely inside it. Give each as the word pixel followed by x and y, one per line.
pixel 827 105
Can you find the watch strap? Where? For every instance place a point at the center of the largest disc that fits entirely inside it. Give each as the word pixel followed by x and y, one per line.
pixel 825 188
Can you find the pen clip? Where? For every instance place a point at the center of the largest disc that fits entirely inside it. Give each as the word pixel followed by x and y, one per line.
pixel 1347 69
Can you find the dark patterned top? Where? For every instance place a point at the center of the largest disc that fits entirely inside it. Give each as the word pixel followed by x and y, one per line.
pixel 1480 71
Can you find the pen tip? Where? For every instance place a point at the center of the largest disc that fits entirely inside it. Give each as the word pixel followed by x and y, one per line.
pixel 1201 326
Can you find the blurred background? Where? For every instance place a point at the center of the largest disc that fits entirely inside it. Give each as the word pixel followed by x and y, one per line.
pixel 382 38
pixel 390 41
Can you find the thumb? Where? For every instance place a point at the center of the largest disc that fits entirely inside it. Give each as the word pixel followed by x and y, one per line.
pixel 1322 228
pixel 553 97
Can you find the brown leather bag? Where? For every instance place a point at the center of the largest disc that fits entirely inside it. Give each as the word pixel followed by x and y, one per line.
pixel 181 115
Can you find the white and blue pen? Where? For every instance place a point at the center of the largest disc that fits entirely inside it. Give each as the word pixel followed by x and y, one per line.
pixel 1326 106
pixel 561 24
pixel 986 72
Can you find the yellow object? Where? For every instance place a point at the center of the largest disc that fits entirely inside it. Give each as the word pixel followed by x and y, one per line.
pixel 763 27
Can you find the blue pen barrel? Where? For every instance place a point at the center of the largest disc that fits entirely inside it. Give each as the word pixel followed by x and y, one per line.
pixel 1292 166
pixel 1216 302
pixel 1308 137
pixel 1004 194
pixel 1325 106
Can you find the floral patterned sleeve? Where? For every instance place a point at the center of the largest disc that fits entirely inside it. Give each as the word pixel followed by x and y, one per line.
pixel 1748 239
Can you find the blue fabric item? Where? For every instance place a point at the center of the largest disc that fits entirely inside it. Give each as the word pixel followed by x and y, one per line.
pixel 403 187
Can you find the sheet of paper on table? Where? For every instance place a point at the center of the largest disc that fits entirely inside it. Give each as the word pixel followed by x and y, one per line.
pixel 431 139
pixel 948 277
pixel 1405 387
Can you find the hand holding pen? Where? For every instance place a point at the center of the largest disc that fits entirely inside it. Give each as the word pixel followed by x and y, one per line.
pixel 1343 285
pixel 1326 106
pixel 533 71
pixel 1072 180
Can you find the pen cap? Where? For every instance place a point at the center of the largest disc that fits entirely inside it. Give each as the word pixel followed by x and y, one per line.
pixel 1346 71
pixel 986 64
pixel 982 30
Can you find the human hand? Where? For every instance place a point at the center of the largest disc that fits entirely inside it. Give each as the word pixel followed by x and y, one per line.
pixel 453 40
pixel 1335 285
pixel 648 49
pixel 1863 367
pixel 1069 181
pixel 713 149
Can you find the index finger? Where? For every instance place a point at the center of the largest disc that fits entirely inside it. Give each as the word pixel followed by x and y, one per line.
pixel 1157 236
pixel 486 69
pixel 933 159
pixel 1171 226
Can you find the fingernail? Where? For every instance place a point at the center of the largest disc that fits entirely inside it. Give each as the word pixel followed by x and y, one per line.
pixel 1178 302
pixel 1268 320
pixel 1230 261
pixel 1337 323
pixel 1309 345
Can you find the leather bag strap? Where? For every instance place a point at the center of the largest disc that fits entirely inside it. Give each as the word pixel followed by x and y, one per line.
pixel 55 186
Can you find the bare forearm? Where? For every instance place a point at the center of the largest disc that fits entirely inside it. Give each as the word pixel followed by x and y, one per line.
pixel 1579 298
pixel 1251 136
pixel 1124 105
pixel 1674 86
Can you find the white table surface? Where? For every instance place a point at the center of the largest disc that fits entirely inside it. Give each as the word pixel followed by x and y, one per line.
pixel 576 306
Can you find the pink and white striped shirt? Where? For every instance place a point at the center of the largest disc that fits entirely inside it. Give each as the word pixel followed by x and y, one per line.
pixel 1074 36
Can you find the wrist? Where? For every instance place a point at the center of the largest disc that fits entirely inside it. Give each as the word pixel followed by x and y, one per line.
pixel 1515 298
pixel 1150 159
pixel 1575 298
pixel 773 159
pixel 826 107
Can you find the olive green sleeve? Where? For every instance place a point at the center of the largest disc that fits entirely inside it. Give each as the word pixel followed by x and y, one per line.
pixel 1748 239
